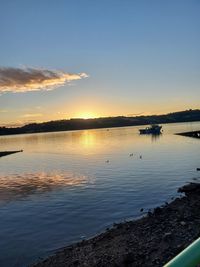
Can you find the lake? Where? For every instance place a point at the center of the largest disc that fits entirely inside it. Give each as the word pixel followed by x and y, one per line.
pixel 67 186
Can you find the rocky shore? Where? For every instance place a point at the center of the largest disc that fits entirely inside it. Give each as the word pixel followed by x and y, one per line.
pixel 149 242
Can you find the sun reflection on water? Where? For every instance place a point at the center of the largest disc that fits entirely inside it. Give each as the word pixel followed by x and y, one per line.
pixel 88 140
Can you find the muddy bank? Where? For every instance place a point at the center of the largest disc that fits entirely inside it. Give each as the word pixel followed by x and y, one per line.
pixel 195 134
pixel 6 153
pixel 150 241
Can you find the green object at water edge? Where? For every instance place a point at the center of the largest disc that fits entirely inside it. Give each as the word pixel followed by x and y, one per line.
pixel 189 257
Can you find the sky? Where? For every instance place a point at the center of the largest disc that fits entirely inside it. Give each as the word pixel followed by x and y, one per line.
pixel 68 58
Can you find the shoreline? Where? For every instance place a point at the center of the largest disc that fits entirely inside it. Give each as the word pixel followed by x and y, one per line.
pixel 102 122
pixel 150 241
pixel 194 134
pixel 97 128
pixel 6 153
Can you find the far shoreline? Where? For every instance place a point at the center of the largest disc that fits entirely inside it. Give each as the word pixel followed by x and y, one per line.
pixel 102 123
pixel 102 128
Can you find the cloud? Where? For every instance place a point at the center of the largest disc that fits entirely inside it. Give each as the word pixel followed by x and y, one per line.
pixel 31 79
pixel 32 115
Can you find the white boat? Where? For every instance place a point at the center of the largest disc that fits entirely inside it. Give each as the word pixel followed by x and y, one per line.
pixel 153 129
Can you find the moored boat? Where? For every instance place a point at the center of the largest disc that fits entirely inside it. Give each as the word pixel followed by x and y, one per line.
pixel 153 129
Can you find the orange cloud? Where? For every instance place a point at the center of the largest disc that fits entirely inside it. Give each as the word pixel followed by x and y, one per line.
pixel 32 79
pixel 32 115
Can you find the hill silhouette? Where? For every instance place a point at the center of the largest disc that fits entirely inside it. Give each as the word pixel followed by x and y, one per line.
pixel 105 122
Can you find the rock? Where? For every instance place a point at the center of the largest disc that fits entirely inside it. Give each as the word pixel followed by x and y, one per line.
pixel 190 188
pixel 167 236
pixel 149 213
pixel 75 262
pixel 183 223
pixel 157 210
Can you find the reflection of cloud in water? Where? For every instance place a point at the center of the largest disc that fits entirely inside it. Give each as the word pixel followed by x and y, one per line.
pixel 13 187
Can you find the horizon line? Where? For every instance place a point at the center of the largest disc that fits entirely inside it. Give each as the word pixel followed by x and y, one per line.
pixel 15 125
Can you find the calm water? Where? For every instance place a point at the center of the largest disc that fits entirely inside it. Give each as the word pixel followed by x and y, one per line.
pixel 67 186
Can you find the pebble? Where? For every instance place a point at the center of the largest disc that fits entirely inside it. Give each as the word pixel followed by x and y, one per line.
pixel 183 223
pixel 167 236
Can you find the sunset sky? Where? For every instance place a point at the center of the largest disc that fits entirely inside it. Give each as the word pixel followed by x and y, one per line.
pixel 65 59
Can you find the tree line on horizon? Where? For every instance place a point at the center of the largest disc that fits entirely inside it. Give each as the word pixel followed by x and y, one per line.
pixel 105 122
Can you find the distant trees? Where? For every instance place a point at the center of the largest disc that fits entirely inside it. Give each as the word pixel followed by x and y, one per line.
pixel 79 124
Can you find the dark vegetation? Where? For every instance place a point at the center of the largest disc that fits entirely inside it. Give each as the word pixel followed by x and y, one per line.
pixel 79 124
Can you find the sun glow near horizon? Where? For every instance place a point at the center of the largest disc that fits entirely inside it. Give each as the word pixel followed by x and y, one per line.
pixel 86 115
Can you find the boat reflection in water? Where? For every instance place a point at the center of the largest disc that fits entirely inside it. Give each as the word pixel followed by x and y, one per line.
pixel 153 129
pixel 156 137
